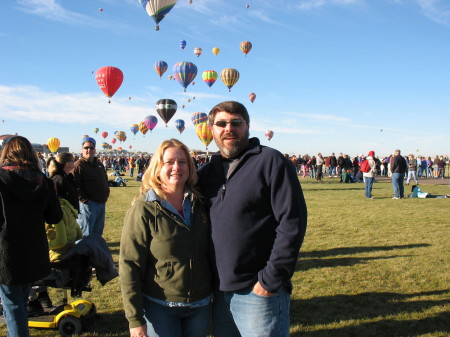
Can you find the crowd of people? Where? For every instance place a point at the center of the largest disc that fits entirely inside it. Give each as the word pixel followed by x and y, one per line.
pixel 332 166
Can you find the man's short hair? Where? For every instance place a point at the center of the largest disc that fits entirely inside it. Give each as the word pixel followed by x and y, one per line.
pixel 231 107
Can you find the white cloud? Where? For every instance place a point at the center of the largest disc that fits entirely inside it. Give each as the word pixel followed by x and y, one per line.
pixel 436 10
pixel 32 104
pixel 51 10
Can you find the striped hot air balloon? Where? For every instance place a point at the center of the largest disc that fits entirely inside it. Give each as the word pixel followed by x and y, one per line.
pixel 160 68
pixel 184 72
pixel 198 118
pixel 143 128
pixel 157 9
pixel 204 133
pixel 246 46
pixel 209 77
pixel 252 97
pixel 197 51
pixel 229 77
pixel 179 124
pixel 166 108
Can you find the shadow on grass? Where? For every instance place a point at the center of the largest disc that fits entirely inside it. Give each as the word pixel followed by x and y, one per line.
pixel 113 323
pixel 339 308
pixel 114 247
pixel 305 264
pixel 358 250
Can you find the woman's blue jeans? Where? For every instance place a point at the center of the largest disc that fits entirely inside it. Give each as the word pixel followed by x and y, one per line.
pixel 245 314
pixel 15 308
pixel 164 321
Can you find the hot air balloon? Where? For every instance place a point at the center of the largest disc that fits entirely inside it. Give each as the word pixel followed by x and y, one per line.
pixel 252 97
pixel 179 124
pixel 166 108
pixel 170 77
pixel 121 136
pixel 188 100
pixel 199 118
pixel 143 128
pixel 229 77
pixel 158 9
pixel 182 44
pixel 100 10
pixel 130 147
pixel 184 73
pixel 246 46
pixel 134 128
pixel 182 106
pixel 150 122
pixel 197 51
pixel 109 79
pixel 53 144
pixel 104 134
pixel 269 134
pixel 216 51
pixel 104 145
pixel 96 130
pixel 204 133
pixel 119 149
pixel 209 77
pixel 160 68
pixel 114 140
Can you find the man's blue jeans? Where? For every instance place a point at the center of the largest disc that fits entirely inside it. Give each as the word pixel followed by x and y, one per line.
pixel 368 186
pixel 245 314
pixel 397 184
pixel 15 308
pixel 92 218
pixel 164 321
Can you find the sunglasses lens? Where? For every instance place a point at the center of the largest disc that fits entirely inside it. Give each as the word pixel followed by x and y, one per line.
pixel 236 122
pixel 221 124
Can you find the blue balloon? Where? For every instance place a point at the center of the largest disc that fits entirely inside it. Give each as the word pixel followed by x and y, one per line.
pixel 179 124
pixel 184 72
pixel 182 44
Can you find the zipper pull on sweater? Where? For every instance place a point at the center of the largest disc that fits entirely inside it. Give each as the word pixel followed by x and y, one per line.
pixel 224 188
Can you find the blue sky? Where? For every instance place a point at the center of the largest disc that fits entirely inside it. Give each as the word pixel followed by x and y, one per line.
pixel 330 75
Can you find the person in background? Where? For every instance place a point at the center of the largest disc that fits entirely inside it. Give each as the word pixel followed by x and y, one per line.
pixel 165 270
pixel 92 189
pixel 398 169
pixel 132 165
pixel 319 167
pixel 28 200
pixel 412 169
pixel 417 193
pixel 369 176
pixel 258 222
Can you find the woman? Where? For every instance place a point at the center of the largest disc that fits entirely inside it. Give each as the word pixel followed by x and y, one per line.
pixel 164 265
pixel 417 193
pixel 61 170
pixel 62 235
pixel 28 200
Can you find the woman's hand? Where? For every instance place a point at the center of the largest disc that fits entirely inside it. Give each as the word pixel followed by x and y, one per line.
pixel 139 331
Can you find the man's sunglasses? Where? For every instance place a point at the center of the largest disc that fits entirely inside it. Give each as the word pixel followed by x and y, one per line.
pixel 233 122
pixel 89 148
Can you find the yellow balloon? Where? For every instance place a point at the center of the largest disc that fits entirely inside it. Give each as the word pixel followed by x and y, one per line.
pixel 53 144
pixel 216 51
pixel 204 133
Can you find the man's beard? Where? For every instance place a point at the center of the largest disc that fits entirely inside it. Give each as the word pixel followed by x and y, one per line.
pixel 235 148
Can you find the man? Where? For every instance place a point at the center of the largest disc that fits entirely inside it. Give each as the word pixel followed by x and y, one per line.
pixel 319 167
pixel 258 221
pixel 92 189
pixel 369 176
pixel 398 169
pixel 333 164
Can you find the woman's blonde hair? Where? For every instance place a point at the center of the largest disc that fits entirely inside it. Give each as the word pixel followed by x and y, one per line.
pixel 56 164
pixel 151 178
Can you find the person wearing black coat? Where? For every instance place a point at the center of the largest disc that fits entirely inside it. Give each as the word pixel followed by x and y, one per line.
pixel 28 200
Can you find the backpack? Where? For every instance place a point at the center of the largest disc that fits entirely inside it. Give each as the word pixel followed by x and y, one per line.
pixel 365 167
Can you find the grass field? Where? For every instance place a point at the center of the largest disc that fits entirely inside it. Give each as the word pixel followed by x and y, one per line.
pixel 376 267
